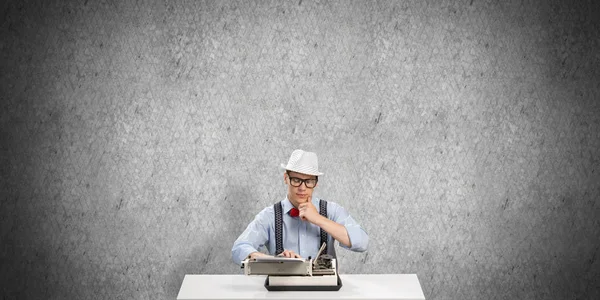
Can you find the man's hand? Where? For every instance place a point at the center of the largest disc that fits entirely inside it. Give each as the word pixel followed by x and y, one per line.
pixel 254 255
pixel 285 253
pixel 308 212
pixel 289 253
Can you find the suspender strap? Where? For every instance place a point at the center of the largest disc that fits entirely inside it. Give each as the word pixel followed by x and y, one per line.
pixel 278 228
pixel 323 212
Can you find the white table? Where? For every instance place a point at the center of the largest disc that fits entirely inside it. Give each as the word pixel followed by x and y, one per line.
pixel 354 286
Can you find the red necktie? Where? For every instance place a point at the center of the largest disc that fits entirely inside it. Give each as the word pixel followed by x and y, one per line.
pixel 294 212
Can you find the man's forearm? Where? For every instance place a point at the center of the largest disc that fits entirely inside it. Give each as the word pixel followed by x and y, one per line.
pixel 336 230
pixel 257 254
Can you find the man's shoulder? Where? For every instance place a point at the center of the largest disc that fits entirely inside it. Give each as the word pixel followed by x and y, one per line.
pixel 334 208
pixel 270 209
pixel 265 215
pixel 330 203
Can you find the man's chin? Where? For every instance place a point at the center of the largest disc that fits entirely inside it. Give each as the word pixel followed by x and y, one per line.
pixel 298 201
pixel 301 200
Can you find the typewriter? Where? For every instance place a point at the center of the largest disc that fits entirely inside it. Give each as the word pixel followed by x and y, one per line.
pixel 296 274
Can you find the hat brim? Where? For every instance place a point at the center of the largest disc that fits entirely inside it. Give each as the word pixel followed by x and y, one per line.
pixel 284 166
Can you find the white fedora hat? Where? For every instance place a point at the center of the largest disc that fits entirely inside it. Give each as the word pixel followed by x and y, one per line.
pixel 303 162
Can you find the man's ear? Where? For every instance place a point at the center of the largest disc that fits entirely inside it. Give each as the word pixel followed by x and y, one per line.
pixel 285 178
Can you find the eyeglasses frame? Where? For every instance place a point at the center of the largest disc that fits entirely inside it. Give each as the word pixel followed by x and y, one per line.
pixel 316 179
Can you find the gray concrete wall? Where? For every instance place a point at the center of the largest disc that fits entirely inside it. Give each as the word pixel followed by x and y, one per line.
pixel 139 139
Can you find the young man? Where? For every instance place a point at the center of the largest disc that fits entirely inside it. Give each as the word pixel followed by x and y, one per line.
pixel 303 222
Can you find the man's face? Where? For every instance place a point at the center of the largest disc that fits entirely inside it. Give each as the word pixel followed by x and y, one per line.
pixel 299 194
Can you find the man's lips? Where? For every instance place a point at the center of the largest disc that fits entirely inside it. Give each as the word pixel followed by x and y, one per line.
pixel 301 195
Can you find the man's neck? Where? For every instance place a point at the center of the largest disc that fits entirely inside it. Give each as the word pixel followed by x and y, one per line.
pixel 292 201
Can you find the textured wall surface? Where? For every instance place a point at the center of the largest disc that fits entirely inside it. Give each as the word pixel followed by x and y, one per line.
pixel 138 139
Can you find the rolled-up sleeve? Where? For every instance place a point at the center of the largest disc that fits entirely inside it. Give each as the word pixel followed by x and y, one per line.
pixel 359 239
pixel 254 237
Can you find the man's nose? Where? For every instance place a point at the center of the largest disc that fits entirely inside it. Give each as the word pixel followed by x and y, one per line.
pixel 302 186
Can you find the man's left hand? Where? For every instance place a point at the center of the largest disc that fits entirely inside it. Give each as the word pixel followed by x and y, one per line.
pixel 308 212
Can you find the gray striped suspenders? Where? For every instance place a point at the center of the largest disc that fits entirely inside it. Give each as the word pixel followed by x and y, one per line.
pixel 279 226
pixel 323 212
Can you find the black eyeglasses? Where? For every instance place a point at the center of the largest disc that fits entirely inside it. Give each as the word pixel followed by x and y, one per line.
pixel 309 183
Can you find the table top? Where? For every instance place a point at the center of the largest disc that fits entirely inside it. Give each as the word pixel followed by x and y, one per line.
pixel 354 286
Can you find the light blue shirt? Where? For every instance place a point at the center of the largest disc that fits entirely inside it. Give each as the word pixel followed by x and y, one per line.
pixel 299 236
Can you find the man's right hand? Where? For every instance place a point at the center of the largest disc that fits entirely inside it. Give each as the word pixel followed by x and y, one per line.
pixel 290 254
pixel 254 255
pixel 285 253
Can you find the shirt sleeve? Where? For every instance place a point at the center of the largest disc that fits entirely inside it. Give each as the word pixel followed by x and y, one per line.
pixel 359 240
pixel 254 237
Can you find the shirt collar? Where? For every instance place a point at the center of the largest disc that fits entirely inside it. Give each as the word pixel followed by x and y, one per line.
pixel 286 205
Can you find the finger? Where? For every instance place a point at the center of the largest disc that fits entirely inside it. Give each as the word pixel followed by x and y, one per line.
pixel 297 256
